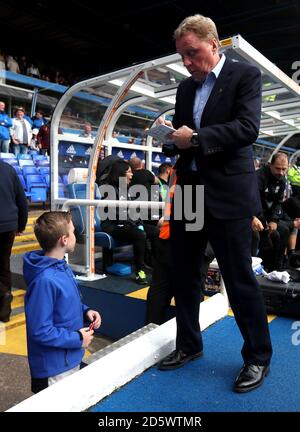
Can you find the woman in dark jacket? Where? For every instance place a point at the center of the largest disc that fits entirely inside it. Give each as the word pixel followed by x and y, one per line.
pixel 118 223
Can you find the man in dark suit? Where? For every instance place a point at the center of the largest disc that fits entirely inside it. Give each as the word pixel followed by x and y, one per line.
pixel 13 219
pixel 217 116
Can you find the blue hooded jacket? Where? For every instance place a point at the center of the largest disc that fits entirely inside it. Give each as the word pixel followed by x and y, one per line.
pixel 54 313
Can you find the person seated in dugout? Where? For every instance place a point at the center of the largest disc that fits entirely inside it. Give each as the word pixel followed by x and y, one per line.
pixel 273 224
pixel 119 222
pixel 146 178
pixel 291 206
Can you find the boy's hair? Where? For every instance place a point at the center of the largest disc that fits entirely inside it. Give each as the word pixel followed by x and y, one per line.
pixel 50 226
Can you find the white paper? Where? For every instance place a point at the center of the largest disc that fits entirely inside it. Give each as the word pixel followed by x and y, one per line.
pixel 161 132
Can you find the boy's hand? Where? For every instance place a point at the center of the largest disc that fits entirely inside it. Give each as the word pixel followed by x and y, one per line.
pixel 95 317
pixel 87 336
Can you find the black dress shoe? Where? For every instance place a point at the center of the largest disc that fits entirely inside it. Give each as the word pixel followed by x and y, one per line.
pixel 177 359
pixel 250 377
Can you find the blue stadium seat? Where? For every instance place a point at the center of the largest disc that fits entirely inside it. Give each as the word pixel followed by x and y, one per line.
pixel 7 155
pixel 36 180
pixel 61 190
pixel 18 169
pixel 11 161
pixel 42 162
pixel 37 188
pixel 26 162
pixel 21 178
pixel 38 193
pixel 28 169
pixel 44 170
pixel 38 157
pixel 47 179
pixel 23 183
pixel 24 156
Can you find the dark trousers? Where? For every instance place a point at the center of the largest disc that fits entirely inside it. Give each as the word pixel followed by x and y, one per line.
pixel 272 246
pixel 6 243
pixel 160 291
pixel 231 242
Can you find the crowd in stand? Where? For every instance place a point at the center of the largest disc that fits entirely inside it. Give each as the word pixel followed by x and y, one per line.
pixel 23 133
pixel 22 65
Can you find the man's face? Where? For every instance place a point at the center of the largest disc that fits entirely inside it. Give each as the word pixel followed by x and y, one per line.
pixel 2 106
pixel 198 56
pixel 87 128
pixel 279 168
pixel 20 114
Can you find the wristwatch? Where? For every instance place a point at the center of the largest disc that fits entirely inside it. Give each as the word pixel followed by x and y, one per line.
pixel 195 140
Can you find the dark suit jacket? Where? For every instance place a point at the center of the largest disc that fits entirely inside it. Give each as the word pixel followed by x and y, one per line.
pixel 229 126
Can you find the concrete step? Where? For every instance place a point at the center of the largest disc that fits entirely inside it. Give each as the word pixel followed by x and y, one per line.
pixel 27 241
pixel 30 237
pixel 18 299
pixel 25 247
pixel 15 321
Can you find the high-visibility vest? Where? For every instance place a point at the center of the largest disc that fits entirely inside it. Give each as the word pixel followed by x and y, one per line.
pixel 164 233
pixel 294 175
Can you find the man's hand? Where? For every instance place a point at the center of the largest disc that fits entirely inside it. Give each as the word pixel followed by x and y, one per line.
pixel 87 336
pixel 160 222
pixel 182 137
pixel 272 226
pixel 94 317
pixel 161 120
pixel 256 224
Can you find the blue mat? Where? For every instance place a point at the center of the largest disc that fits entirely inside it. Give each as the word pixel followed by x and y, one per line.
pixel 205 385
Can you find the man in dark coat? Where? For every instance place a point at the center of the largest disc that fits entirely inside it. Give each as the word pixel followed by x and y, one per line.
pixel 13 219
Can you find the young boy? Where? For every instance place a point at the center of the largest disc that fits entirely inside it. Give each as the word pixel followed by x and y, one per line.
pixel 54 312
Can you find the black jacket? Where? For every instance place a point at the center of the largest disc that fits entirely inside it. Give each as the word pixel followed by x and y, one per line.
pixel 229 126
pixel 118 215
pixel 271 192
pixel 13 202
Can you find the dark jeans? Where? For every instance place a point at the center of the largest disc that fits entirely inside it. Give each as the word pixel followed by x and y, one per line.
pixel 272 246
pixel 6 243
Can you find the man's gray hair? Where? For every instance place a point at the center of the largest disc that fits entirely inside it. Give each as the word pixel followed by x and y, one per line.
pixel 202 26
